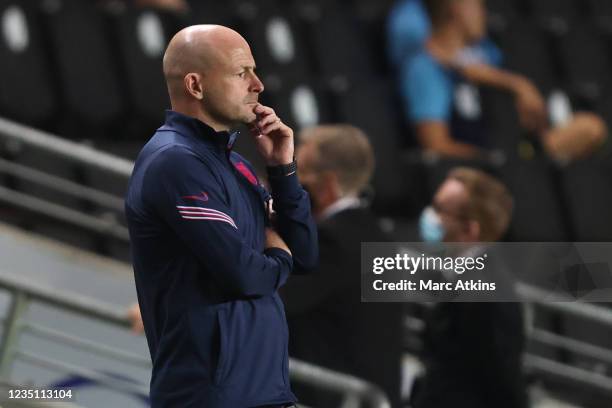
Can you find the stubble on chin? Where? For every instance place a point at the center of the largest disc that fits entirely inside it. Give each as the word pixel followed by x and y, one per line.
pixel 245 119
pixel 249 116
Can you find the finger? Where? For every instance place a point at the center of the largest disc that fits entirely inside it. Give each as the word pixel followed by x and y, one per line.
pixel 261 110
pixel 268 120
pixel 258 109
pixel 271 128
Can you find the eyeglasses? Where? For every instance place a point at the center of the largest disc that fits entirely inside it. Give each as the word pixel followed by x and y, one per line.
pixel 437 208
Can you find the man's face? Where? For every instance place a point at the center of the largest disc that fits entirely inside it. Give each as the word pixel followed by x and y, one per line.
pixel 450 202
pixel 471 15
pixel 231 87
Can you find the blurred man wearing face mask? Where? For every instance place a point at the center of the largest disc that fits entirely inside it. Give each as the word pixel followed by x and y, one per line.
pixel 329 324
pixel 469 206
pixel 472 350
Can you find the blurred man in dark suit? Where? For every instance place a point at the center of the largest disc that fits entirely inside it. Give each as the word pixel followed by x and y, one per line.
pixel 329 324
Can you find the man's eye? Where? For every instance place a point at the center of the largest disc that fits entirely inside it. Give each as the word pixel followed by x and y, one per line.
pixel 242 74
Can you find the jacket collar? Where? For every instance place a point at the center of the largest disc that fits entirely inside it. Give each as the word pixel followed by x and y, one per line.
pixel 192 127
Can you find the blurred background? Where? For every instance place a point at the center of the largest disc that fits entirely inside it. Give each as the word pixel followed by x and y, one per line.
pixel 82 89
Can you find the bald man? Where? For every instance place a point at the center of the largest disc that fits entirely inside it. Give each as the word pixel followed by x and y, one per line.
pixel 208 261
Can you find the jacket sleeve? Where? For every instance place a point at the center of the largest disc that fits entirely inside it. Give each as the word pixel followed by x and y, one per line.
pixel 192 201
pixel 295 223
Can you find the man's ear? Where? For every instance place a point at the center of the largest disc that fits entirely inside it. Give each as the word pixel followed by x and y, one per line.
pixel 332 184
pixel 193 85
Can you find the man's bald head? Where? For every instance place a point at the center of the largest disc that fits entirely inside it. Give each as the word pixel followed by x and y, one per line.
pixel 210 73
pixel 197 49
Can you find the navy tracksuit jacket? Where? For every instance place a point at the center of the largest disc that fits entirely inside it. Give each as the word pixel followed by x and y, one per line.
pixel 207 288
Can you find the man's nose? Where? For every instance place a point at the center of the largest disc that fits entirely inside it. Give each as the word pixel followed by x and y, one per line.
pixel 256 84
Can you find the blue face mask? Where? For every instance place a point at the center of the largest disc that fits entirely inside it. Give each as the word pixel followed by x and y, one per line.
pixel 431 228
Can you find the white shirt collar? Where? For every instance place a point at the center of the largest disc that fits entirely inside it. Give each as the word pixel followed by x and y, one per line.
pixel 344 203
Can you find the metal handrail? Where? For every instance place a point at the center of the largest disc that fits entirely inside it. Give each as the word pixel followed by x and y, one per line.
pixel 76 152
pixel 87 345
pixel 26 291
pixel 65 300
pixel 567 305
pixel 83 372
pixel 568 372
pixel 62 185
pixel 573 345
pixel 109 227
pixel 334 381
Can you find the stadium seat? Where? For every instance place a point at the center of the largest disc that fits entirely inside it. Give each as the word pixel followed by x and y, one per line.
pixel 213 12
pixel 553 15
pixel 372 17
pixel 585 60
pixel 276 41
pixel 601 14
pixel 86 66
pixel 369 9
pixel 589 202
pixel 500 14
pixel 501 120
pixel 371 106
pixel 527 51
pixel 298 101
pixel 539 214
pixel 26 84
pixel 338 46
pixel 141 37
